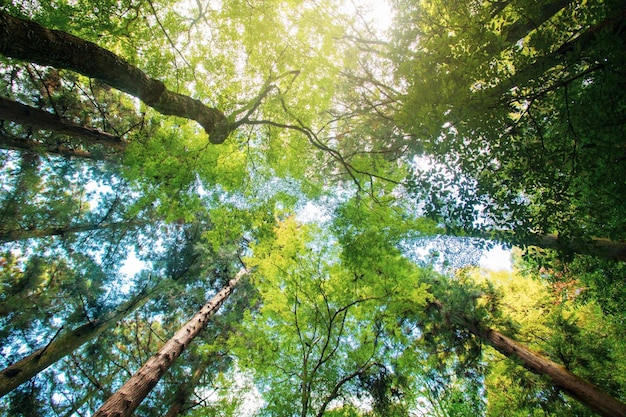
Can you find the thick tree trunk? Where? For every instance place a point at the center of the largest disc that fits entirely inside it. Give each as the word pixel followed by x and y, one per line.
pixel 598 247
pixel 16 374
pixel 579 389
pixel 40 119
pixel 29 145
pixel 132 393
pixel 29 41
pixel 14 235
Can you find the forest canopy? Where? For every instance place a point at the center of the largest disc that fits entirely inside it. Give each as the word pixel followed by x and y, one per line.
pixel 278 208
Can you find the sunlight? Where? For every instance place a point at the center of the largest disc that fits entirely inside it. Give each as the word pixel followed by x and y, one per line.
pixel 378 12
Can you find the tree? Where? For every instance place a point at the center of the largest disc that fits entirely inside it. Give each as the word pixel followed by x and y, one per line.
pixel 127 398
pixel 23 370
pixel 314 338
pixel 459 307
pixel 14 235
pixel 581 390
pixel 502 101
pixel 40 119
pixel 30 41
pixel 182 394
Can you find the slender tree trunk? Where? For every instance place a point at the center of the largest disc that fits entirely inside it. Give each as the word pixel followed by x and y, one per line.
pixel 522 27
pixel 132 393
pixel 41 119
pixel 14 235
pixel 29 41
pixel 16 374
pixel 29 145
pixel 579 389
pixel 73 409
pixel 184 392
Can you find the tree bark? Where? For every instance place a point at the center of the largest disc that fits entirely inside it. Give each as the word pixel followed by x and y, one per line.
pixel 14 235
pixel 576 387
pixel 132 393
pixel 598 247
pixel 579 389
pixel 184 392
pixel 41 119
pixel 29 41
pixel 16 374
pixel 29 145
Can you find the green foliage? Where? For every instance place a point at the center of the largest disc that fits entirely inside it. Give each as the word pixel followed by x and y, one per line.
pixel 499 117
pixel 511 104
pixel 319 327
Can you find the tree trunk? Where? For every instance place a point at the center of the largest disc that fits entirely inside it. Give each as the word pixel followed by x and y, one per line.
pixel 598 247
pixel 14 235
pixel 16 374
pixel 521 28
pixel 29 145
pixel 567 53
pixel 41 119
pixel 184 392
pixel 132 393
pixel 29 41
pixel 579 389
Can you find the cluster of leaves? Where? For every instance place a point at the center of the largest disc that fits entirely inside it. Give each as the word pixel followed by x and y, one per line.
pixel 519 108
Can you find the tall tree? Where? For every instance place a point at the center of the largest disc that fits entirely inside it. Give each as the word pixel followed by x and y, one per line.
pixel 127 398
pixel 363 246
pixel 588 394
pixel 23 370
pixel 14 111
pixel 14 235
pixel 499 101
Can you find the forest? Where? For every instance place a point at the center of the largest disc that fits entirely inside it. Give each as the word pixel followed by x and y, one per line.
pixel 279 208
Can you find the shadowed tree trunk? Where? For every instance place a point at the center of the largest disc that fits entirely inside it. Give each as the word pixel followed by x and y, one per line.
pixel 576 387
pixel 41 119
pixel 14 235
pixel 29 41
pixel 598 247
pixel 16 374
pixel 568 53
pixel 185 391
pixel 29 145
pixel 522 27
pixel 132 393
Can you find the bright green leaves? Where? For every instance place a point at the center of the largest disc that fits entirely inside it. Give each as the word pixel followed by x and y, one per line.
pixel 551 319
pixel 321 323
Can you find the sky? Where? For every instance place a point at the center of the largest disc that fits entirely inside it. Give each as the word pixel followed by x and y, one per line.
pixel 496 259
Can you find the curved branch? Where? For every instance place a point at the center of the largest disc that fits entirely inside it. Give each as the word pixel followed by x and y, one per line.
pixel 30 41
